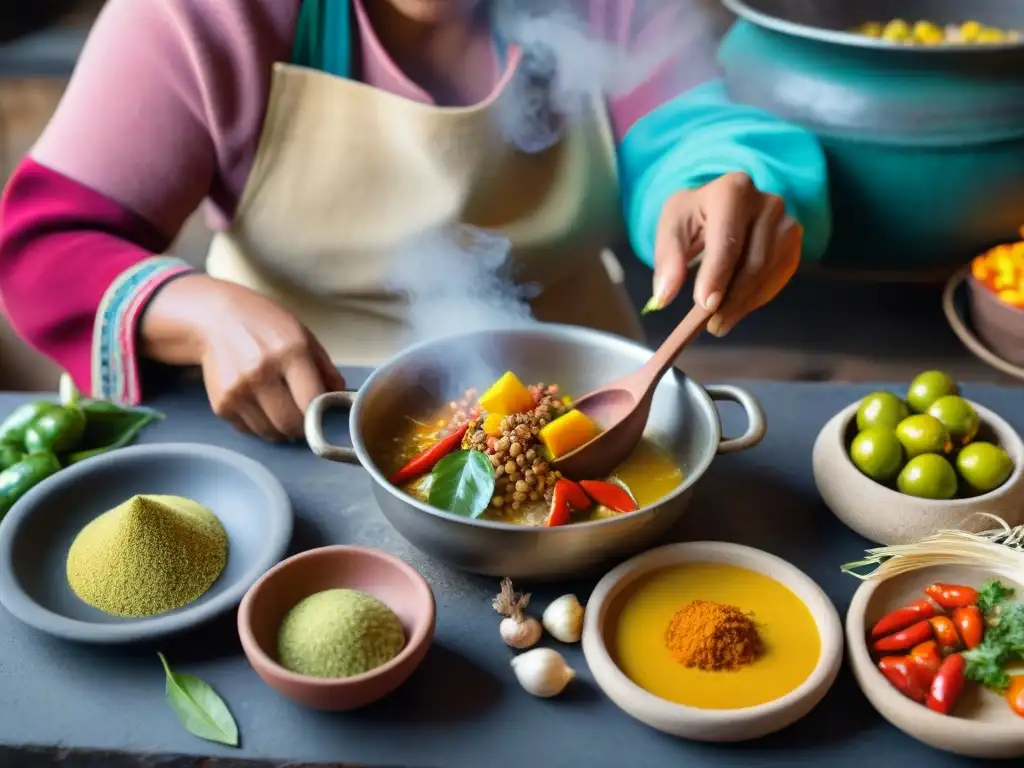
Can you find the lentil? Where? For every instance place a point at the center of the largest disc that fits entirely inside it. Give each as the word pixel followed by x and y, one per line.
pixel 522 476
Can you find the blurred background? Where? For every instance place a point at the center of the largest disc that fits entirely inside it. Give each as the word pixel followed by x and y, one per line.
pixel 825 326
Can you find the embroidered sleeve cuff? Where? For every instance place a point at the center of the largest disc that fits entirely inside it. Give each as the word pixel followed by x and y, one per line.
pixel 115 362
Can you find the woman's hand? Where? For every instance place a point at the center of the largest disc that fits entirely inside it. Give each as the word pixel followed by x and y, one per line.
pixel 751 248
pixel 261 366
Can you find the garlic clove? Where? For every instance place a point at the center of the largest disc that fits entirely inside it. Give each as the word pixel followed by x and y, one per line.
pixel 563 619
pixel 542 672
pixel 520 633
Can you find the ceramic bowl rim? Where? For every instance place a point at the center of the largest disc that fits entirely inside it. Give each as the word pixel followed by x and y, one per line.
pixel 26 609
pixel 549 330
pixel 852 39
pixel 826 619
pixel 421 633
pixel 860 659
pixel 1017 313
pixel 963 325
pixel 987 416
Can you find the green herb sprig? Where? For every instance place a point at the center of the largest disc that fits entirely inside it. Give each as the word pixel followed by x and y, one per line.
pixel 200 709
pixel 992 595
pixel 1004 638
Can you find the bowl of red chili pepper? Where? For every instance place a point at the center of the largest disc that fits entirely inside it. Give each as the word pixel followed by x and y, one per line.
pixel 939 652
pixel 984 304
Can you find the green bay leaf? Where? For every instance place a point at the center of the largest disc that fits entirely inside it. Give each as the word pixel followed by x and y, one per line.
pixel 462 483
pixel 200 709
pixel 109 426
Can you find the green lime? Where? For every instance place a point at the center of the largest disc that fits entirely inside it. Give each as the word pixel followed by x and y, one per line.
pixel 983 466
pixel 881 409
pixel 957 415
pixel 877 453
pixel 928 387
pixel 928 476
pixel 922 433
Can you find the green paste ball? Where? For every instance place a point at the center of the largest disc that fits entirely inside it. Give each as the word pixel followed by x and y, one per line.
pixel 149 555
pixel 339 633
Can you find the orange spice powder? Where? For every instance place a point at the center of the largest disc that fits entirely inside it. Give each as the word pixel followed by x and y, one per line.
pixel 712 637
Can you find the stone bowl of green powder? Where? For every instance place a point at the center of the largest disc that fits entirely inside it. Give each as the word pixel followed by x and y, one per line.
pixel 337 628
pixel 141 543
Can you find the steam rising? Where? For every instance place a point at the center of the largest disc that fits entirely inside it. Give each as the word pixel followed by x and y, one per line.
pixel 459 278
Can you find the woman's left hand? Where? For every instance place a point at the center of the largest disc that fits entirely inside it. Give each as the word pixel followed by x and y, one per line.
pixel 751 248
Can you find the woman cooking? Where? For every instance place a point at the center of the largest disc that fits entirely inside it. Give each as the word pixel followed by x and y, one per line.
pixel 326 134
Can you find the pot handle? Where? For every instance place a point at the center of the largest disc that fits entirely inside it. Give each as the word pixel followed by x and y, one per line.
pixel 314 427
pixel 757 424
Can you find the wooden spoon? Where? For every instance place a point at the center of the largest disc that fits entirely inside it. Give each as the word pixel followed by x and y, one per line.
pixel 621 409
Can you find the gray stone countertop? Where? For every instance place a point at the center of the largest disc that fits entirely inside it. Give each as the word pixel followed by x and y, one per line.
pixel 462 708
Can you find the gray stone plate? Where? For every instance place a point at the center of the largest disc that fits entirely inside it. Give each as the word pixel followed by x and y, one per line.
pixel 37 532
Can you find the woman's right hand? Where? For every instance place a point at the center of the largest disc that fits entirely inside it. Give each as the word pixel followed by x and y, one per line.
pixel 261 366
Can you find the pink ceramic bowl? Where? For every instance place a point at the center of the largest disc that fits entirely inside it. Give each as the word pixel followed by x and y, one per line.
pixel 387 578
pixel 998 324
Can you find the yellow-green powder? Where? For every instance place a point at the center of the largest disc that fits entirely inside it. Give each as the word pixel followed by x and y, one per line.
pixel 339 633
pixel 149 555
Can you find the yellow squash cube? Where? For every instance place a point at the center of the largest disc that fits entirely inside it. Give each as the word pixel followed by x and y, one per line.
pixel 506 396
pixel 568 432
pixel 492 424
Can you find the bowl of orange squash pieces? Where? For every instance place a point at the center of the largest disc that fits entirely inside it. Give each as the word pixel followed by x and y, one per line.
pixel 459 434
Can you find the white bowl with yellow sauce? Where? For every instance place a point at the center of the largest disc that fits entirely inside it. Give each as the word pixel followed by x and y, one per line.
pixel 631 607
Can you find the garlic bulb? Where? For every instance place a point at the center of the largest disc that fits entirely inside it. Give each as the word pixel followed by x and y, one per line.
pixel 563 619
pixel 542 672
pixel 520 633
pixel 517 629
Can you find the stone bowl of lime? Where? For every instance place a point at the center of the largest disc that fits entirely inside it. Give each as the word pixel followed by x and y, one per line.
pixel 899 468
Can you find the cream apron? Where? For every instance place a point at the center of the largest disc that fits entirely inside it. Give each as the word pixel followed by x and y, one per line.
pixel 346 175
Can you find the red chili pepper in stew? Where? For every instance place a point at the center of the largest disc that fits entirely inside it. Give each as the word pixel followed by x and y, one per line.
pixel 610 495
pixel 971 624
pixel 947 685
pixel 946 634
pixel 1015 694
pixel 951 596
pixel 560 511
pixel 928 656
pixel 902 618
pixel 906 639
pixel 574 495
pixel 566 497
pixel 905 676
pixel 420 465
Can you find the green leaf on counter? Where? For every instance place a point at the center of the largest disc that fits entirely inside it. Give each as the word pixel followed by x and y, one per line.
pixel 109 427
pixel 200 709
pixel 462 483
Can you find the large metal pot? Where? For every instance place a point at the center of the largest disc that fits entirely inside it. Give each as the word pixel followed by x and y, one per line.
pixel 684 421
pixel 925 145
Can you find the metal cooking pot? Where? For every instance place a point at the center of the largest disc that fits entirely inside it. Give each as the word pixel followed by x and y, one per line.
pixel 925 145
pixel 684 422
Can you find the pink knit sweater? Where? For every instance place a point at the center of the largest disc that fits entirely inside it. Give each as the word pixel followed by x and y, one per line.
pixel 164 112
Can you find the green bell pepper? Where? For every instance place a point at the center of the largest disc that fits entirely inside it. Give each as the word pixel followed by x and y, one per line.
pixel 10 454
pixel 12 429
pixel 56 431
pixel 17 480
